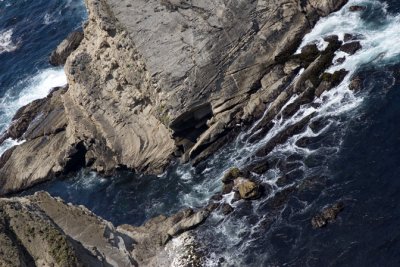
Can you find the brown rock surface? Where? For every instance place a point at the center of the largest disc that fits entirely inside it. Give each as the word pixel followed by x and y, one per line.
pixel 247 188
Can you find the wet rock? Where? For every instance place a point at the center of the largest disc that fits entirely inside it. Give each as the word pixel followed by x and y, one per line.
pixel 356 84
pixel 310 49
pixel 187 250
pixel 70 44
pixel 282 137
pixel 303 142
pixel 357 8
pixel 317 125
pixel 328 215
pixel 340 60
pixel 217 197
pixel 236 197
pixel 211 207
pixel 331 39
pixel 334 78
pixel 351 48
pixel 259 167
pixel 348 37
pixel 282 181
pixel 352 37
pixel 312 183
pixel 227 188
pixel 26 115
pixel 226 209
pixel 152 237
pixel 188 223
pixel 231 175
pixel 247 189
pixel 281 197
pixel 308 54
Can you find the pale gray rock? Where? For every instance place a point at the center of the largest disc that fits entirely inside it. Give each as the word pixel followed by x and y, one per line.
pixel 151 74
pixel 40 230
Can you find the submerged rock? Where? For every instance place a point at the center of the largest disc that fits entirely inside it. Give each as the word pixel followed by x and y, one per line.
pixel 69 45
pixel 231 175
pixel 227 209
pixel 356 8
pixel 356 84
pixel 328 215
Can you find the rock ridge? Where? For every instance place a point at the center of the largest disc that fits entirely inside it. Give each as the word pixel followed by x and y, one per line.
pixel 42 230
pixel 152 80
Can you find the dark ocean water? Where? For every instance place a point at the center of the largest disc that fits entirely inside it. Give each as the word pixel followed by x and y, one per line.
pixel 29 31
pixel 355 159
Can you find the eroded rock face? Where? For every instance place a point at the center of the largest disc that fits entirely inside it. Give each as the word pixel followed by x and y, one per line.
pixel 151 74
pixel 40 230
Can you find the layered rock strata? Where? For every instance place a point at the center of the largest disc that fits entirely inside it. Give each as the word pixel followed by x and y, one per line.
pixel 162 78
pixel 40 230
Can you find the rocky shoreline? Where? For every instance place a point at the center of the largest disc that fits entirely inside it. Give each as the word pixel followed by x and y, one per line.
pixel 149 82
pixel 131 106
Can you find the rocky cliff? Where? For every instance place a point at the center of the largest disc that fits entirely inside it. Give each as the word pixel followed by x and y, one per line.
pixel 153 80
pixel 40 230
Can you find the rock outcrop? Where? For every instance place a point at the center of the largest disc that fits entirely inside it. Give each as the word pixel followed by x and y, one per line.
pixel 327 215
pixel 40 230
pixel 351 48
pixel 154 79
pixel 60 55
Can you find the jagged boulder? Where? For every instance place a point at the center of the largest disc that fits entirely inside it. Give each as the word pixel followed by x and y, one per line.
pixel 327 215
pixel 247 189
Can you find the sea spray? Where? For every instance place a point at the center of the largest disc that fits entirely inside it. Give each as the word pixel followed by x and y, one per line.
pixel 30 89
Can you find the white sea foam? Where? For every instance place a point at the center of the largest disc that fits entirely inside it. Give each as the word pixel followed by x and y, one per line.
pixel 6 42
pixel 29 89
pixel 379 47
pixel 379 40
pixel 49 18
